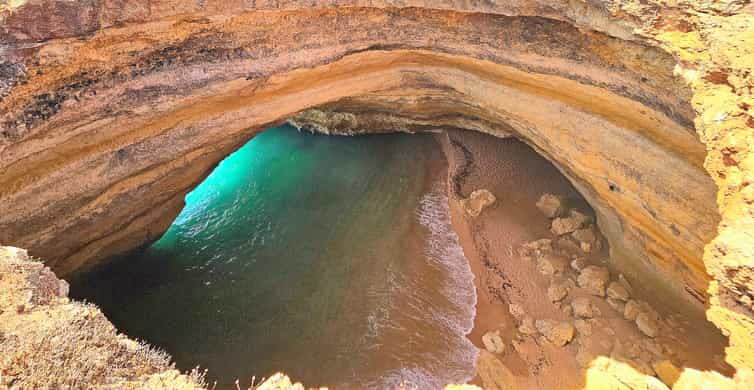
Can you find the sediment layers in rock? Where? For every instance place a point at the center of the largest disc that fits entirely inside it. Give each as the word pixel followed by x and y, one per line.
pixel 112 112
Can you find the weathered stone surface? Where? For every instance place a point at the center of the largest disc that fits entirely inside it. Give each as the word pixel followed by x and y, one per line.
pixel 583 307
pixel 606 373
pixel 550 205
pixel 573 222
pixel 583 327
pixel 551 264
pixel 593 279
pixel 578 264
pixel 558 333
pixel 616 291
pixel 647 324
pixel 527 326
pixel 493 342
pixel 617 305
pixel 557 291
pixel 110 114
pixel 494 374
pixel 72 342
pixel 477 202
pixel 585 236
pixel 517 311
pixel 634 308
pixel 667 372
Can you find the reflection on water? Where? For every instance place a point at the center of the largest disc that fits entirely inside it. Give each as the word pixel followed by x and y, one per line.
pixel 328 258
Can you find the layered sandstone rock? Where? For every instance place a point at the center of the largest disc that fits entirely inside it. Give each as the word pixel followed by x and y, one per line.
pixel 110 112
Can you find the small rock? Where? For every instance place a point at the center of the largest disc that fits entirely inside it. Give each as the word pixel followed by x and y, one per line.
pixel 478 201
pixel 551 264
pixel 516 311
pixel 633 308
pixel 624 282
pixel 557 291
pixel 585 247
pixel 527 326
pixel 493 342
pixel 667 372
pixel 565 225
pixel 578 264
pixel 582 307
pixel 593 279
pixel 647 324
pixel 519 345
pixel 20 309
pixel 619 306
pixel 63 288
pixel 583 327
pixel 550 205
pixel 585 235
pixel 616 291
pixel 558 333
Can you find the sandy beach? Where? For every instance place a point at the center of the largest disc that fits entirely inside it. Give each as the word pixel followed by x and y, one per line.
pixel 518 176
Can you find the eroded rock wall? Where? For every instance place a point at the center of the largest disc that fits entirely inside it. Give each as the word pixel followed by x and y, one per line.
pixel 112 111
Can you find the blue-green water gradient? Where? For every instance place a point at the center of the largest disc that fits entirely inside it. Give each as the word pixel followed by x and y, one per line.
pixel 328 258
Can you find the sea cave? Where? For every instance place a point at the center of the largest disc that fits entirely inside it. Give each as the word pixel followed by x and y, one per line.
pixel 522 194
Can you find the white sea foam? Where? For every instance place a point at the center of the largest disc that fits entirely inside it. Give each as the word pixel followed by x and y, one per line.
pixel 442 251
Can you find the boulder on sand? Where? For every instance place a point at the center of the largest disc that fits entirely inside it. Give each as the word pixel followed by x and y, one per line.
pixel 594 279
pixel 493 342
pixel 556 332
pixel 478 201
pixel 564 225
pixel 550 205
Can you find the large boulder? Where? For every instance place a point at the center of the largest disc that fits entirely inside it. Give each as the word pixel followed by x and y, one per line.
pixel 477 202
pixel 551 264
pixel 557 291
pixel 583 307
pixel 493 342
pixel 667 371
pixel 647 324
pixel 550 205
pixel 616 291
pixel 564 225
pixel 634 308
pixel 594 279
pixel 556 332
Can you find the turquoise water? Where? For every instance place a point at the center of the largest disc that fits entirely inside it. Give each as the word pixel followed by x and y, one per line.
pixel 328 258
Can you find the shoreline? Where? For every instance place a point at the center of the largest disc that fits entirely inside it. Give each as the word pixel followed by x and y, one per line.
pixel 518 176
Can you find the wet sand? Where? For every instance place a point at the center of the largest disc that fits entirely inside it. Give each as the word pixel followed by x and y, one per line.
pixel 518 176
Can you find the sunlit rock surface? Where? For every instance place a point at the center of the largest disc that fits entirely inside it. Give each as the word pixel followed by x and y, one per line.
pixel 111 112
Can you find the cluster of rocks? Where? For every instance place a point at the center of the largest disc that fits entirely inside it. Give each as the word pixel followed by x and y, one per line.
pixel 593 279
pixel 576 287
pixel 567 221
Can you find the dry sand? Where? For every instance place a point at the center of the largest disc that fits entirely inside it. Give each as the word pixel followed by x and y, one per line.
pixel 518 176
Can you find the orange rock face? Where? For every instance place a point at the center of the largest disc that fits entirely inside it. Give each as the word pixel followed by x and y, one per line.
pixel 111 111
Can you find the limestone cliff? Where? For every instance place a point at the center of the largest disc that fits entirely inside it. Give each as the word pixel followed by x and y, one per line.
pixel 49 341
pixel 111 111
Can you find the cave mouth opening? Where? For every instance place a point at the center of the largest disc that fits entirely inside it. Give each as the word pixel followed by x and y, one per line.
pixel 354 262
